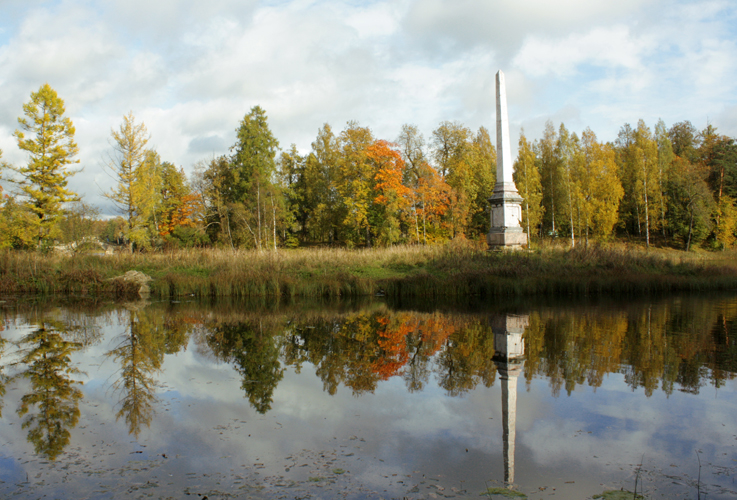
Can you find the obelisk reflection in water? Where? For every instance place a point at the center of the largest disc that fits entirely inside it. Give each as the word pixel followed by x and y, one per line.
pixel 509 352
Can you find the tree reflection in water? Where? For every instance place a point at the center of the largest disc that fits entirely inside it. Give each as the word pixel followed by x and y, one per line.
pixel 3 377
pixel 664 346
pixel 255 354
pixel 140 352
pixel 680 344
pixel 51 409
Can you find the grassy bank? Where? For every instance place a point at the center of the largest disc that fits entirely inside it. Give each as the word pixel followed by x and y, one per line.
pixel 456 269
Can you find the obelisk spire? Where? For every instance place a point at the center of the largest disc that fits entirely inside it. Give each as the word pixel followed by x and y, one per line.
pixel 506 211
pixel 504 166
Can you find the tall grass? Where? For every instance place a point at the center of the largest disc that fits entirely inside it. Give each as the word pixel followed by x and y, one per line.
pixel 457 269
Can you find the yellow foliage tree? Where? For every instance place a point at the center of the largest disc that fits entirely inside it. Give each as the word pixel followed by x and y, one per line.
pixel 600 189
pixel 355 183
pixel 51 148
pixel 727 216
pixel 527 179
pixel 136 169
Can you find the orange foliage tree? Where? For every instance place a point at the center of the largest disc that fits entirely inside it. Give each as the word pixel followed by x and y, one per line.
pixel 391 196
pixel 433 201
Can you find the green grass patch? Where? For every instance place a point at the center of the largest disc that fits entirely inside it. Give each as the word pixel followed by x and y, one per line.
pixel 619 495
pixel 504 492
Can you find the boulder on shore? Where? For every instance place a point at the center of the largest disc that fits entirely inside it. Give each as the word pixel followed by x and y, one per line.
pixel 138 278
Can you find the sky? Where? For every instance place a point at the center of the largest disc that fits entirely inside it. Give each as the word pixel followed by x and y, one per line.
pixel 191 70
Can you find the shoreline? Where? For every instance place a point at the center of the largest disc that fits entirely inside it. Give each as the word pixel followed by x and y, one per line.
pixel 458 269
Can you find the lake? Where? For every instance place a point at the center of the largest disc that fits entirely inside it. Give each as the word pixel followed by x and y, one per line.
pixel 369 399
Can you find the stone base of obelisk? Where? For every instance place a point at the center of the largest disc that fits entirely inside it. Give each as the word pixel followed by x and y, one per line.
pixel 506 212
pixel 506 239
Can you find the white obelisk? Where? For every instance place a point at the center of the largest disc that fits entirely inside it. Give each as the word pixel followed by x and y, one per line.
pixel 506 203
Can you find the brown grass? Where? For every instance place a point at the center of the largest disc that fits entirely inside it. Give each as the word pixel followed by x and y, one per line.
pixel 457 269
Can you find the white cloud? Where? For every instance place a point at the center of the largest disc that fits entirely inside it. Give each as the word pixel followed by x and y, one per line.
pixel 191 70
pixel 505 23
pixel 375 20
pixel 612 48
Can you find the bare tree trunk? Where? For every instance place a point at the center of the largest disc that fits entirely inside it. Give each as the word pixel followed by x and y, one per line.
pixel 552 203
pixel 570 209
pixel 424 221
pixel 662 201
pixel 258 214
pixel 273 208
pixel 227 225
pixel 637 210
pixel 529 235
pixel 647 216
pixel 417 228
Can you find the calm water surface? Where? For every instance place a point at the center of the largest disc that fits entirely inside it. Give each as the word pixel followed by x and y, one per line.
pixel 169 400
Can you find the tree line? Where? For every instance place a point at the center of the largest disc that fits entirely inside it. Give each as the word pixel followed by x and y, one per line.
pixel 675 187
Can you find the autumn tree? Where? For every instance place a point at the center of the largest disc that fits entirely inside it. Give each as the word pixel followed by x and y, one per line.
pixel 599 190
pixel 646 158
pixel 450 151
pixel 549 167
pixel 18 224
pixel 322 213
pixel 391 195
pixel 527 180
pixel 51 408
pixel 665 162
pixel 434 196
pixel 48 139
pixel 135 169
pixel 355 184
pixel 179 211
pixel 637 158
pixel 482 163
pixel 690 202
pixel 726 231
pixel 140 350
pixel 412 148
pixel 568 159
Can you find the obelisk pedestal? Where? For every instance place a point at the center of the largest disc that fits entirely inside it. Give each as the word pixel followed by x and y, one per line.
pixel 506 203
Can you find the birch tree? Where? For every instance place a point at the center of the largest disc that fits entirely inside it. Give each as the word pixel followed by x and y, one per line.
pixel 527 180
pixel 600 190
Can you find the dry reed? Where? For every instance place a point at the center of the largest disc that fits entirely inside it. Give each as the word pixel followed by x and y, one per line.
pixel 457 269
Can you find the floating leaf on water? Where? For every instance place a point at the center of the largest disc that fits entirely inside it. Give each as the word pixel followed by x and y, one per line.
pixel 338 471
